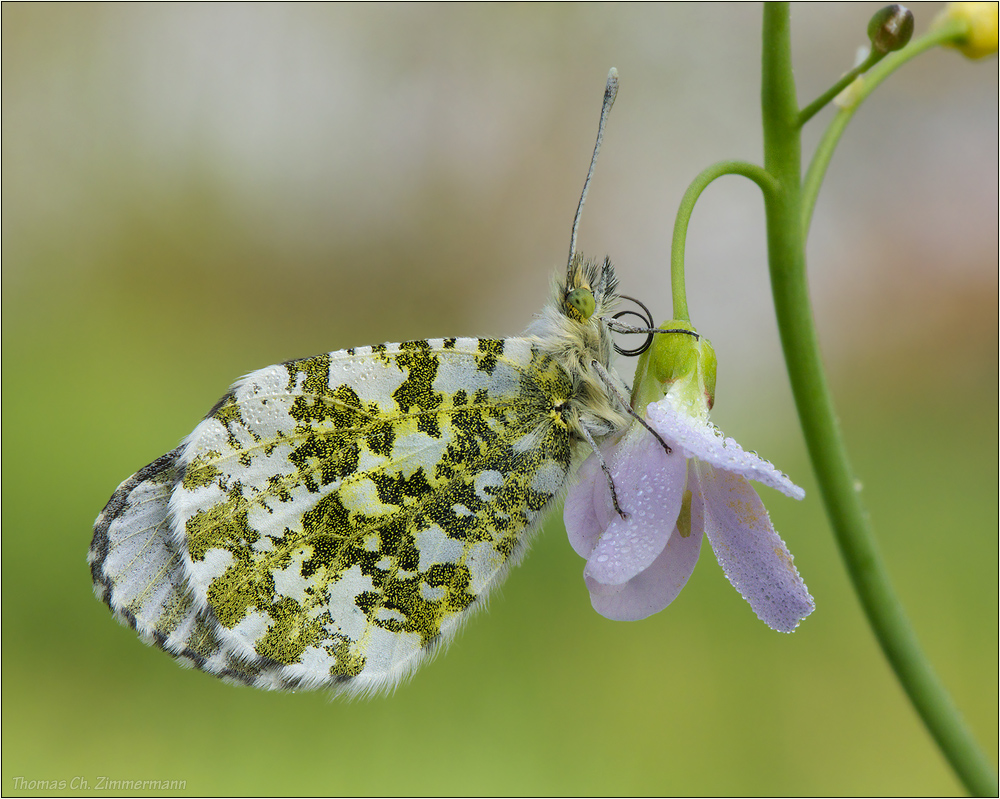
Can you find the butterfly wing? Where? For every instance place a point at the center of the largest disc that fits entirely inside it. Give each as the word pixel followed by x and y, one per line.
pixel 334 519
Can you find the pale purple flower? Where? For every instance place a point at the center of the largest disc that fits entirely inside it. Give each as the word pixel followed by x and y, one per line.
pixel 636 566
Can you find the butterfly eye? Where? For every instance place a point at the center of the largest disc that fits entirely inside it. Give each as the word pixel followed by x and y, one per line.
pixel 581 302
pixel 647 319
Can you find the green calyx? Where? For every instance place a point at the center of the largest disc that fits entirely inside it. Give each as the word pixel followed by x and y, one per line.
pixel 680 363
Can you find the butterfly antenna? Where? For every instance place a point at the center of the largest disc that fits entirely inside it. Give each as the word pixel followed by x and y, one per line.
pixel 610 91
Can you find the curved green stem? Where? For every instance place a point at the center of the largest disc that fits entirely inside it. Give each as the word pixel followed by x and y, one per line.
pixel 848 517
pixel 861 89
pixel 698 185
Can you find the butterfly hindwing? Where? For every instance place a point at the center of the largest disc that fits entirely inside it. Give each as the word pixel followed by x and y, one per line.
pixel 335 518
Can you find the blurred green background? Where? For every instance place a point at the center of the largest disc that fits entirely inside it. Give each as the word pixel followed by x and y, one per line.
pixel 194 191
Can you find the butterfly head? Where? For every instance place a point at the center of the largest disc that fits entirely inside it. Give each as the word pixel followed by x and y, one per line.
pixel 589 289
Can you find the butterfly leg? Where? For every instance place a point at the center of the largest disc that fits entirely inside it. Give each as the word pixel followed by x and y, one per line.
pixel 610 383
pixel 606 470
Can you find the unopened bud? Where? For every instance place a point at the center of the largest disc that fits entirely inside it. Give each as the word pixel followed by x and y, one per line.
pixel 891 28
pixel 980 20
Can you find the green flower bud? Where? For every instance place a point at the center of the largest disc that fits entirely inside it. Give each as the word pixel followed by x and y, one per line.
pixel 891 28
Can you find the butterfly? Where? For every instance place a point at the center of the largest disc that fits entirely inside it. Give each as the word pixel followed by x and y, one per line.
pixel 333 520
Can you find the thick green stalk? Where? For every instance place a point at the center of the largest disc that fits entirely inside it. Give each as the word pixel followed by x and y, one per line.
pixel 786 253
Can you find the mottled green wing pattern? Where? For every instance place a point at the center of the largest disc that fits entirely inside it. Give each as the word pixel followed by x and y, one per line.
pixel 335 518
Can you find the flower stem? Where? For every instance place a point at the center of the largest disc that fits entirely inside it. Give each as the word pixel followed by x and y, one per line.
pixel 848 517
pixel 820 102
pixel 758 175
pixel 864 87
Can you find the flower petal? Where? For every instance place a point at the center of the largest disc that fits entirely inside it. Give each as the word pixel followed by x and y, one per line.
pixel 702 440
pixel 652 590
pixel 650 487
pixel 750 551
pixel 583 515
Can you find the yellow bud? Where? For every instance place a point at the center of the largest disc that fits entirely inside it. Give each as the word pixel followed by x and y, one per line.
pixel 980 39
